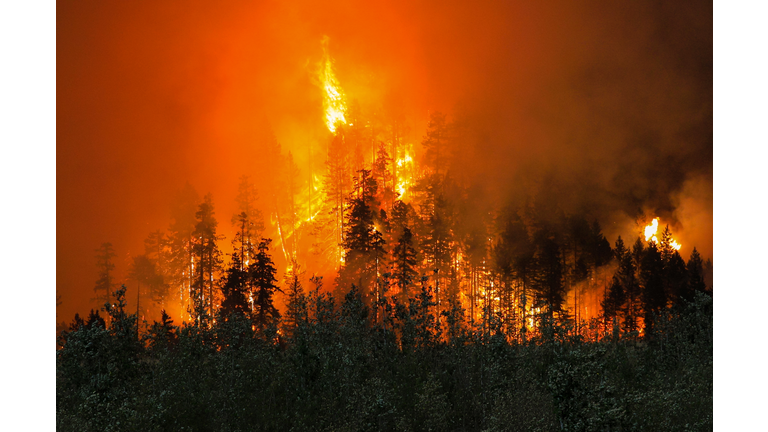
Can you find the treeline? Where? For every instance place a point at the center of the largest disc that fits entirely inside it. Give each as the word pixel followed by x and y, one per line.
pixel 342 365
pixel 393 227
pixel 446 312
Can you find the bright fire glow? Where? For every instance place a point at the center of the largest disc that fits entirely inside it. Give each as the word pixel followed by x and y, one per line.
pixel 333 96
pixel 650 230
pixel 404 165
pixel 650 234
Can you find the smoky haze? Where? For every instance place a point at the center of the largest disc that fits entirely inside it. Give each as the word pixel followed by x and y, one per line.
pixel 602 107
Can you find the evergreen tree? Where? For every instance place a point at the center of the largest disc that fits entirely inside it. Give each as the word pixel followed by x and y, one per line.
pixel 179 244
pixel 262 271
pixel 363 242
pixel 654 298
pixel 695 269
pixel 599 248
pixel 298 313
pixel 235 288
pixel 675 277
pixel 105 283
pixel 384 178
pixel 614 301
pixel 514 259
pixel 548 281
pixel 337 185
pixel 248 221
pixel 626 272
pixel 436 234
pixel 207 259
pixel 403 262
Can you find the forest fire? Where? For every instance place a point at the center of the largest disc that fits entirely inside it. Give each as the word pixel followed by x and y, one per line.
pixel 333 96
pixel 426 219
pixel 651 231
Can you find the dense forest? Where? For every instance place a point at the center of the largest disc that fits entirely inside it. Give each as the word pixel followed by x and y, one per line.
pixel 426 308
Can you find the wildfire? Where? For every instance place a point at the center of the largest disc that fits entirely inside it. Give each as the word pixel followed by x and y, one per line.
pixel 650 234
pixel 404 165
pixel 333 96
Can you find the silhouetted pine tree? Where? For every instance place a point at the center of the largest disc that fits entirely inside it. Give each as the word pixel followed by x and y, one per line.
pixel 514 258
pixel 298 313
pixel 235 288
pixel 675 277
pixel 549 276
pixel 652 279
pixel 695 269
pixel 179 244
pixel 403 263
pixel 383 176
pixel 207 259
pixel 337 183
pixel 626 273
pixel 262 271
pixel 363 243
pixel 248 221
pixel 435 234
pixel 614 302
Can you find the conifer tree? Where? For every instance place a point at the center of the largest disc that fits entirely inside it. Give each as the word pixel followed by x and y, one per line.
pixel 262 271
pixel 298 312
pixel 676 279
pixel 337 185
pixel 235 288
pixel 514 258
pixel 654 298
pixel 363 242
pixel 627 275
pixel 614 301
pixel 403 262
pixel 549 276
pixel 248 221
pixel 179 245
pixel 384 178
pixel 695 269
pixel 435 234
pixel 207 259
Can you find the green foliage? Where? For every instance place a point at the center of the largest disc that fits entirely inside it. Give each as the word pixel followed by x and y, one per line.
pixel 342 371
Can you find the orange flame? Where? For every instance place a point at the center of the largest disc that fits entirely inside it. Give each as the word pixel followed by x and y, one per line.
pixel 404 165
pixel 650 234
pixel 333 96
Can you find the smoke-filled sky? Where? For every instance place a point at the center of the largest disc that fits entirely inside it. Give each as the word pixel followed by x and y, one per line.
pixel 607 105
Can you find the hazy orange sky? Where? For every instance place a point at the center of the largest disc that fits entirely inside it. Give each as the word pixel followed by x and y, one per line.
pixel 612 98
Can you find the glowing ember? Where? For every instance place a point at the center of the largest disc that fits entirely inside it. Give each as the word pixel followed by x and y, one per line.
pixel 333 97
pixel 650 234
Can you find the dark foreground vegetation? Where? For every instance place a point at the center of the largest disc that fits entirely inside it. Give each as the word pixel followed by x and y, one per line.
pixel 388 367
